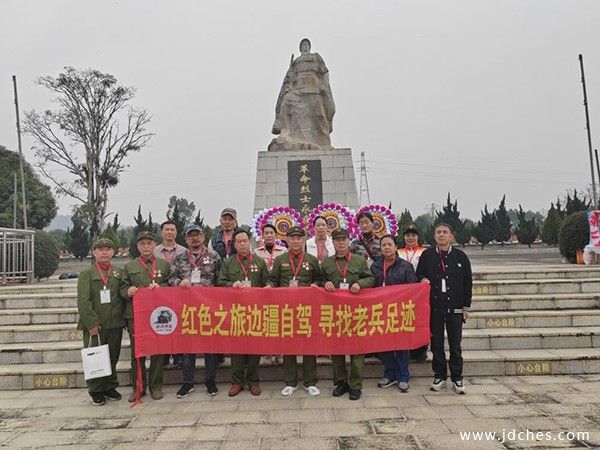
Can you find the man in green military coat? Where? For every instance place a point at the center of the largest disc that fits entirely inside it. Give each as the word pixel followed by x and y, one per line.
pixel 241 270
pixel 101 315
pixel 292 269
pixel 145 271
pixel 345 270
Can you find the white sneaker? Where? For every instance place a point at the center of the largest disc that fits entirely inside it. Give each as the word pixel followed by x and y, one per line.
pixel 438 384
pixel 458 387
pixel 288 390
pixel 313 391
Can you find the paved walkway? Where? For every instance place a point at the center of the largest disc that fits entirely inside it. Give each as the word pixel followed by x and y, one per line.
pixel 382 419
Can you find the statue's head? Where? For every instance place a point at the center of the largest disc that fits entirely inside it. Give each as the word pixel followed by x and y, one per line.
pixel 304 46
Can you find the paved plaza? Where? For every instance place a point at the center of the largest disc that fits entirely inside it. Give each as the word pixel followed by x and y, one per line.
pixel 381 419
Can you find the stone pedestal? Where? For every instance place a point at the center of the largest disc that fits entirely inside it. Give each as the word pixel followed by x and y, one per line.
pixel 337 173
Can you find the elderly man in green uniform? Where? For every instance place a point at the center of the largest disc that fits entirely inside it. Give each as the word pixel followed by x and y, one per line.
pixel 292 269
pixel 101 315
pixel 241 270
pixel 349 271
pixel 145 271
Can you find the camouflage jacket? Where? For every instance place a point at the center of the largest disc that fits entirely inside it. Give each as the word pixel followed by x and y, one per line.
pixel 209 266
pixel 368 249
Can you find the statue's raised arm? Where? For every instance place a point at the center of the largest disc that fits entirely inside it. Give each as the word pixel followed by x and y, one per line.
pixel 305 108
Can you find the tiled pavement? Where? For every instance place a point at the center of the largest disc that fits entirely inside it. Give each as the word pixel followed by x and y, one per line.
pixel 381 419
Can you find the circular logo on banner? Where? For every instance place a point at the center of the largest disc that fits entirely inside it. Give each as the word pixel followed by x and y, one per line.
pixel 163 320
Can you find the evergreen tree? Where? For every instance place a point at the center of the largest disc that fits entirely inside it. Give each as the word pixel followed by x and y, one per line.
pixel 450 215
pixel 551 226
pixel 485 229
pixel 576 204
pixel 140 225
pixel 466 231
pixel 180 223
pixel 78 238
pixel 404 221
pixel 528 229
pixel 116 224
pixel 503 225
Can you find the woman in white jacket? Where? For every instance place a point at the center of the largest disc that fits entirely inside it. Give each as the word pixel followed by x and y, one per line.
pixel 321 244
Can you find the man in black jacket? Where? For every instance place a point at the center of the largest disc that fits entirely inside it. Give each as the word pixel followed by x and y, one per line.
pixel 448 271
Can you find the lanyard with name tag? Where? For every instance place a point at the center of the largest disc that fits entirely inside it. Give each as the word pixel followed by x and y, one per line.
pixel 105 292
pixel 105 295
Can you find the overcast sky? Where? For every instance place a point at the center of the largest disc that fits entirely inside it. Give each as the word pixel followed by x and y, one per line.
pixel 477 98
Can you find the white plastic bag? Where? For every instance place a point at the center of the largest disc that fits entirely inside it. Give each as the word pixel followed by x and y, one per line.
pixel 96 360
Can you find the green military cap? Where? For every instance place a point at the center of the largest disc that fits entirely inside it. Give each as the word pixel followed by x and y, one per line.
pixel 146 235
pixel 296 231
pixel 412 228
pixel 103 242
pixel 339 233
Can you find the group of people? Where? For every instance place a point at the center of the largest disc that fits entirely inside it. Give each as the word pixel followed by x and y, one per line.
pixel 330 261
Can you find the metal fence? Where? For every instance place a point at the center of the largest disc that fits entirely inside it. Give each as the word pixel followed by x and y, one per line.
pixel 16 256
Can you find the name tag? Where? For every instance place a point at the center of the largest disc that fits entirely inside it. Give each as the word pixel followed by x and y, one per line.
pixel 345 286
pixel 105 296
pixel 294 283
pixel 246 283
pixel 443 285
pixel 196 277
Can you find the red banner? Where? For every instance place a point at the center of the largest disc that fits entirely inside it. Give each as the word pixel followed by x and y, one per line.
pixel 280 321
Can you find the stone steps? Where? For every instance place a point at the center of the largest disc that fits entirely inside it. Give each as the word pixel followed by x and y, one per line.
pixel 533 318
pixel 476 363
pixel 62 350
pixel 522 302
pixel 34 316
pixel 529 273
pixel 525 321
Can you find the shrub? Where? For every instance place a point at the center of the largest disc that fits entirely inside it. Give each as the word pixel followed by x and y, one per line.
pixel 46 255
pixel 574 235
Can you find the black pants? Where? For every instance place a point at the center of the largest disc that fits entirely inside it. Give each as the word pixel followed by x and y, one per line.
pixel 453 324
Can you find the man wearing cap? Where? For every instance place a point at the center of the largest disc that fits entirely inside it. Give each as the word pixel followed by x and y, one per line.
pixel 221 241
pixel 244 270
pixel 101 315
pixel 198 266
pixel 367 244
pixel 145 271
pixel 292 269
pixel 349 271
pixel 411 252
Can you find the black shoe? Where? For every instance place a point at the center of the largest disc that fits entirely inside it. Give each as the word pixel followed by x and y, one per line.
pixel 98 398
pixel 185 390
pixel 211 388
pixel 112 394
pixel 354 393
pixel 340 389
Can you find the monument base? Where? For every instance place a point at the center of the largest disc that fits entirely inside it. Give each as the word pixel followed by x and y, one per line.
pixel 337 174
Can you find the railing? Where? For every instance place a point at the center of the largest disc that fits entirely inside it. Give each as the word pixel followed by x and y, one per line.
pixel 16 256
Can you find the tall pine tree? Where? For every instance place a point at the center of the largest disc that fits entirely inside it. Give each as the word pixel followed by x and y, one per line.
pixel 486 227
pixel 528 229
pixel 502 231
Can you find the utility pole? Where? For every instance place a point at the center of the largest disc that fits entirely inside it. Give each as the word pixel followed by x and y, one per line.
pixel 589 132
pixel 597 164
pixel 15 203
pixel 20 154
pixel 365 197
